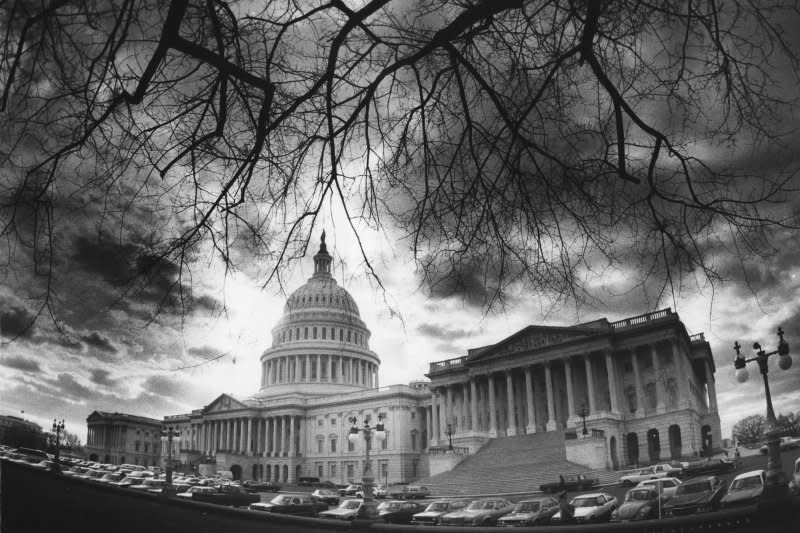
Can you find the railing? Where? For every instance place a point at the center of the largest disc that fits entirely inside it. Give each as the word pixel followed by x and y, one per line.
pixel 456 362
pixel 642 319
pixel 441 450
pixel 697 338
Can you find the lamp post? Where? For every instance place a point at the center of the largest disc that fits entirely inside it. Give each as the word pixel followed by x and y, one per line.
pixel 583 412
pixel 58 427
pixel 449 431
pixel 169 434
pixel 368 508
pixel 775 486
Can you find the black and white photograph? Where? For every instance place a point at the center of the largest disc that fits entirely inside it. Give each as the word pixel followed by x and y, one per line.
pixel 369 265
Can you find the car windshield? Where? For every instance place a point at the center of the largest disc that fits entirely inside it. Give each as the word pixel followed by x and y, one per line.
pixel 638 495
pixel 479 505
pixel 752 482
pixel 586 502
pixel 351 504
pixel 436 507
pixel 528 507
pixel 694 488
pixel 388 506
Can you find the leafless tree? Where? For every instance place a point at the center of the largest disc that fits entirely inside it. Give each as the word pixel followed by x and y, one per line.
pixel 512 142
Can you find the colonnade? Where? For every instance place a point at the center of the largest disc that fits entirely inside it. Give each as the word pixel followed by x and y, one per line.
pixel 275 436
pixel 319 368
pixel 542 396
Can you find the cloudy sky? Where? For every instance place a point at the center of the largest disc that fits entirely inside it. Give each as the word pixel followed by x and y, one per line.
pixel 121 330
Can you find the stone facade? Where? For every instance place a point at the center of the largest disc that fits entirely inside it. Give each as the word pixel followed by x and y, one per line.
pixel 119 438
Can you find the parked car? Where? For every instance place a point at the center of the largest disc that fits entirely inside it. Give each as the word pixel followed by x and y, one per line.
pixel 652 472
pixel 592 507
pixel 430 515
pixel 411 492
pixel 709 467
pixel 307 481
pixel 794 484
pixel 482 512
pixel 347 510
pixel 327 496
pixel 534 512
pixel 698 495
pixel 150 485
pixel 112 477
pixel 641 503
pixel 295 504
pixel 326 484
pixel 378 491
pixel 745 489
pixel 195 488
pixel 784 443
pixel 227 495
pixel 351 489
pixel 261 486
pixel 398 511
pixel 578 482
pixel 667 485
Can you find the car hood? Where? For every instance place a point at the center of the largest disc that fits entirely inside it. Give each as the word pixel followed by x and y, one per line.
pixel 468 514
pixel 580 512
pixel 519 516
pixel 690 499
pixel 428 514
pixel 740 495
pixel 629 510
pixel 339 512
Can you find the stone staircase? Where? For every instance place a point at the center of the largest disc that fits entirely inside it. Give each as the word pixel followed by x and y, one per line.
pixel 511 465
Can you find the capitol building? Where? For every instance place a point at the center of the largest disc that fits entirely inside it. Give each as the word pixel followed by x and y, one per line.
pixel 643 387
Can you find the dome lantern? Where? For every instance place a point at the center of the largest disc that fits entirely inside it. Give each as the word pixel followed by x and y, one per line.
pixel 322 261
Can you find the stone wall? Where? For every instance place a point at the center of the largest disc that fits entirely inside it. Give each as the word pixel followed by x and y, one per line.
pixel 591 452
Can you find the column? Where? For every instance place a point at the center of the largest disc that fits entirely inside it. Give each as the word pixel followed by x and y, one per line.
pixel 448 408
pixel 330 369
pixel 589 383
pixel 660 381
pixel 637 384
pixel 682 377
pixel 429 422
pixel 437 417
pixel 712 389
pixel 353 373
pixel 340 379
pixel 265 451
pixel 492 410
pixel 248 440
pixel 282 447
pixel 570 396
pixel 319 369
pixel 551 407
pixel 612 385
pixel 292 444
pixel 511 427
pixel 268 366
pixel 307 364
pixel 274 447
pixel 377 380
pixel 531 422
pixel 473 404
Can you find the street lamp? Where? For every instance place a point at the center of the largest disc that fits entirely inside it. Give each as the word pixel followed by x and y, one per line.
pixel 449 431
pixel 583 412
pixel 169 434
pixel 775 486
pixel 368 508
pixel 58 427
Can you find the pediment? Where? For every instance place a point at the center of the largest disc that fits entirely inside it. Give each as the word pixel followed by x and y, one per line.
pixel 532 338
pixel 224 402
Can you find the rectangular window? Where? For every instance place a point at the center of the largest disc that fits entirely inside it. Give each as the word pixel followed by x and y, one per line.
pixel 305 333
pixel 325 333
pixel 315 332
pixel 350 471
pixel 384 470
pixel 319 446
pixel 413 441
pixel 333 421
pixel 146 447
pixel 332 470
pixel 333 445
pixel 385 444
pixel 341 334
pixel 350 446
pixel 320 473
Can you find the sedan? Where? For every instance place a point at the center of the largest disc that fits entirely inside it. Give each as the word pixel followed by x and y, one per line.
pixel 698 495
pixel 398 512
pixel 296 504
pixel 260 486
pixel 594 507
pixel 667 486
pixel 347 510
pixel 330 497
pixel 531 513
pixel 193 489
pixel 640 504
pixel 709 467
pixel 745 489
pixel 434 510
pixel 483 512
pixel 643 474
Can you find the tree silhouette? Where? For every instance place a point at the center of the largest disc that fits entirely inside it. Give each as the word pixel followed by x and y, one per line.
pixel 511 142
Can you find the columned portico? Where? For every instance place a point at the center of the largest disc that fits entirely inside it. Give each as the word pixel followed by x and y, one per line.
pixel 511 428
pixel 492 408
pixel 531 419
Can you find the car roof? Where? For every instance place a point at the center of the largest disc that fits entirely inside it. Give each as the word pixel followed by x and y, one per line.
pixel 592 495
pixel 752 473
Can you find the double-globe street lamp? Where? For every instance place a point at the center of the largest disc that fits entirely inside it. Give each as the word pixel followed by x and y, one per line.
pixel 368 508
pixel 775 488
pixel 169 433
pixel 58 428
